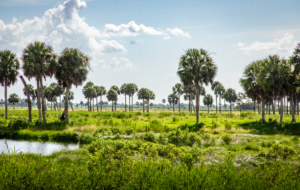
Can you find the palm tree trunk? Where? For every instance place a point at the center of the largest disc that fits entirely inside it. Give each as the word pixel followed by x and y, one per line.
pixel 112 106
pixel 59 104
pixel 254 105
pixel 97 103
pixel 28 98
pixel 147 105
pixel 220 104
pixel 115 105
pixel 207 108
pixel 284 105
pixel 71 106
pixel 292 106
pixel 125 104
pixel 38 98
pixel 173 106
pixel 269 108
pixel 101 102
pixel 129 103
pixel 179 103
pixel 281 110
pixel 143 106
pixel 263 108
pixel 273 107
pixel 132 103
pixel 66 105
pixel 190 107
pixel 216 104
pixel 93 104
pixel 51 106
pixel 197 101
pixel 297 107
pixel 287 106
pixel 230 106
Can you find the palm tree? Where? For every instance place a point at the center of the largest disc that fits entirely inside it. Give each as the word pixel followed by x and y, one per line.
pixel 50 95
pixel 39 61
pixel 201 93
pixel 89 92
pixel 220 90
pixel 142 95
pixel 240 97
pixel 213 86
pixel 58 91
pixel 118 92
pixel 208 101
pixel 134 90
pixel 101 92
pixel 124 90
pixel 230 96
pixel 81 103
pixel 70 97
pixel 9 66
pixel 13 98
pixel 163 101
pixel 150 96
pixel 87 95
pixel 173 99
pixel 178 89
pixel 72 69
pixel 190 90
pixel 112 96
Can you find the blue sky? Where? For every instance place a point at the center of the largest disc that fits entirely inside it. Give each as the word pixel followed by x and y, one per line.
pixel 141 41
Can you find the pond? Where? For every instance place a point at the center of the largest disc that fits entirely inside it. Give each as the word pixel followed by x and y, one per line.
pixel 43 148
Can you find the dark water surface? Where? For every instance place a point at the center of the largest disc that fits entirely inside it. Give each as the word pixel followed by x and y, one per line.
pixel 43 148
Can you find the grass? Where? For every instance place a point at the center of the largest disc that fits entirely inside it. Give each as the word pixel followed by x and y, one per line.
pixel 156 150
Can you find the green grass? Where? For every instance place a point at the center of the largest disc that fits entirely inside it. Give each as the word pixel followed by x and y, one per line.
pixel 156 150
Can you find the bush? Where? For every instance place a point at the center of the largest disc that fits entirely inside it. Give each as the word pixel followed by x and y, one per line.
pixel 129 131
pixel 278 150
pixel 250 146
pixel 192 138
pixel 149 136
pixel 116 130
pixel 175 119
pixel 227 126
pixel 227 139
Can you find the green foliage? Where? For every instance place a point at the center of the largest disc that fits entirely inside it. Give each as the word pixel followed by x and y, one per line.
pixel 227 139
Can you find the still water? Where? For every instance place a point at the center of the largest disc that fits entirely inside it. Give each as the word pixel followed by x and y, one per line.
pixel 43 148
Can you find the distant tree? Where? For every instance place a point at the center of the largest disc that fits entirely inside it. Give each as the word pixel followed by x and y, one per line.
pixel 151 105
pixel 70 97
pixel 173 99
pixel 143 94
pixel 13 98
pixel 213 87
pixel 81 103
pixel 208 101
pixel 72 69
pixel 124 90
pixel 114 87
pixel 50 95
pixel 178 90
pixel 112 96
pixel 9 66
pixel 230 96
pixel 88 96
pixel 58 91
pixel 101 92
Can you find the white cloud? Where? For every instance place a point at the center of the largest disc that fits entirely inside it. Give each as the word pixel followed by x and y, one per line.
pixel 282 45
pixel 121 64
pixel 177 32
pixel 171 74
pixel 58 26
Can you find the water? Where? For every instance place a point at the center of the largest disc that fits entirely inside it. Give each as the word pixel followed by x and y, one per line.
pixel 43 148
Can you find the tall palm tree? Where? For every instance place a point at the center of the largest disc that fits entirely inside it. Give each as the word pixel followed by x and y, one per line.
pixel 72 69
pixel 143 94
pixel 9 66
pixel 213 86
pixel 58 91
pixel 178 89
pixel 39 61
pixel 230 96
pixel 112 96
pixel 118 92
pixel 220 90
pixel 70 97
pixel 50 94
pixel 89 93
pixel 201 93
pixel 197 67
pixel 13 98
pixel 240 97
pixel 81 103
pixel 208 101
pixel 135 89
pixel 173 99
pixel 190 90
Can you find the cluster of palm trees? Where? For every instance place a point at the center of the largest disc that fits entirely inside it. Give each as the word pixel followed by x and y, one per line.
pixel 274 79
pixel 39 61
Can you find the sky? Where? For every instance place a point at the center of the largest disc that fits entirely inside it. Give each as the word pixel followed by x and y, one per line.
pixel 140 41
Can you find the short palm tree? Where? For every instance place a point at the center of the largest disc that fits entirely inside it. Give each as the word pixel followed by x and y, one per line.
pixel 87 95
pixel 201 93
pixel 240 97
pixel 178 89
pixel 81 103
pixel 230 96
pixel 72 69
pixel 124 90
pixel 70 97
pixel 101 92
pixel 9 66
pixel 173 99
pixel 142 95
pixel 150 96
pixel 50 94
pixel 39 61
pixel 58 91
pixel 118 92
pixel 28 91
pixel 163 101
pixel 112 96
pixel 13 98
pixel 213 86
pixel 208 101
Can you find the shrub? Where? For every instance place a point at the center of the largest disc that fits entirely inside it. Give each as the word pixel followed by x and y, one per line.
pixel 129 131
pixel 206 137
pixel 227 139
pixel 193 138
pixel 227 126
pixel 278 150
pixel 116 130
pixel 175 119
pixel 250 146
pixel 149 136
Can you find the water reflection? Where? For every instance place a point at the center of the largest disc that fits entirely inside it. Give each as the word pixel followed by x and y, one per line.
pixel 43 148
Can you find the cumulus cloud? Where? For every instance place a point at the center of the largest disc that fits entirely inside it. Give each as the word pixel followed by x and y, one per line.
pixel 282 45
pixel 58 26
pixel 177 32
pixel 121 64
pixel 62 27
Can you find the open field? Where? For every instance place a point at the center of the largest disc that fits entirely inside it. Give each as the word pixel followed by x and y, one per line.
pixel 156 150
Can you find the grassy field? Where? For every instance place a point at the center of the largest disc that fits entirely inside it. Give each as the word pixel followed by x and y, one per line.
pixel 156 150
